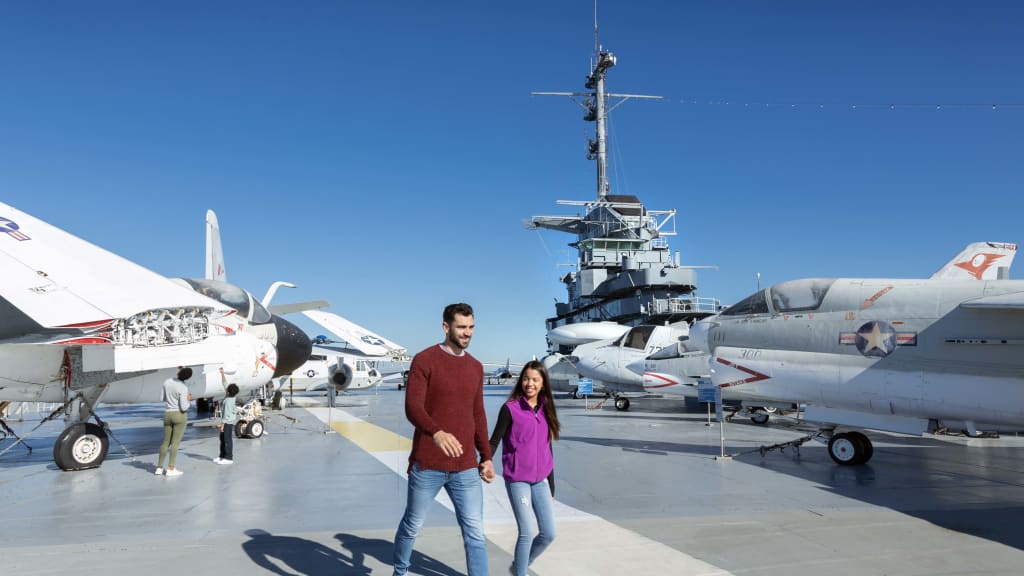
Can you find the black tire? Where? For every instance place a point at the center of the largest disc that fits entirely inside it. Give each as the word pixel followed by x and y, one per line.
pixel 846 449
pixel 867 449
pixel 622 403
pixel 80 447
pixel 575 393
pixel 240 427
pixel 254 429
pixel 759 417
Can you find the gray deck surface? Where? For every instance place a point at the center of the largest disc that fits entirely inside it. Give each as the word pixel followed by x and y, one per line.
pixel 638 493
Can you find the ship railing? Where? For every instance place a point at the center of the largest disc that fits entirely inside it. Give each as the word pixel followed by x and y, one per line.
pixel 685 305
pixel 659 243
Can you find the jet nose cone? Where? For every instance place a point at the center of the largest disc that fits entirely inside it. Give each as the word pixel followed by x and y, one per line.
pixel 293 347
pixel 699 335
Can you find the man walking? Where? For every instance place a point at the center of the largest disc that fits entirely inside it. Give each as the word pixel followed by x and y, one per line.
pixel 444 402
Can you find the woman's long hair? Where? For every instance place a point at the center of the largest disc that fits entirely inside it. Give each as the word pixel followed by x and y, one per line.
pixel 545 392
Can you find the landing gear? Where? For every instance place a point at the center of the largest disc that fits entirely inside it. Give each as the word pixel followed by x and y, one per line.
pixel 758 416
pixel 850 448
pixel 254 429
pixel 575 393
pixel 81 446
pixel 621 403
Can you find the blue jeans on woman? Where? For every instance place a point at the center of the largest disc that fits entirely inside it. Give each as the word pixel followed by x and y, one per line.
pixel 467 495
pixel 529 502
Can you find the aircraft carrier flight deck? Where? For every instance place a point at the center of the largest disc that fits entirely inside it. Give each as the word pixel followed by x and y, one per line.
pixel 638 492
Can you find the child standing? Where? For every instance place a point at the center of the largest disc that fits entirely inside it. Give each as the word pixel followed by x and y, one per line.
pixel 527 423
pixel 228 418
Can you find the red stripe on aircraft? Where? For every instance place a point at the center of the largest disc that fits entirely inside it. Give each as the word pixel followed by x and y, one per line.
pixel 668 381
pixel 263 359
pixel 83 325
pixel 87 340
pixel 755 376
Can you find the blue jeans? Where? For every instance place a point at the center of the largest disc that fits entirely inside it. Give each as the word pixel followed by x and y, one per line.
pixel 467 495
pixel 531 501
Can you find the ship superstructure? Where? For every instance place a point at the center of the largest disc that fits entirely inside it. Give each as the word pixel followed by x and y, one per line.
pixel 625 271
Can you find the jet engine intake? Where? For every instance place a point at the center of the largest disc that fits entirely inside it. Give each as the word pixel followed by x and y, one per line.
pixel 340 376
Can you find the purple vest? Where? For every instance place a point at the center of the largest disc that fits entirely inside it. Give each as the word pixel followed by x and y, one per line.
pixel 526 449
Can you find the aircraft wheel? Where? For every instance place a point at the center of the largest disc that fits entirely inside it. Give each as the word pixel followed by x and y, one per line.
pixel 81 446
pixel 622 403
pixel 770 409
pixel 576 393
pixel 254 429
pixel 867 449
pixel 759 417
pixel 847 449
pixel 240 427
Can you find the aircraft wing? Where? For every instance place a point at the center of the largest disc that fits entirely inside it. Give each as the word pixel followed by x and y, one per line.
pixel 54 280
pixel 1014 301
pixel 356 336
pixel 282 309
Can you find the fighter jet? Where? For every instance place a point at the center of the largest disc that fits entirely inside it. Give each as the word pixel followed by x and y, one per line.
pixel 80 325
pixel 910 356
pixel 676 370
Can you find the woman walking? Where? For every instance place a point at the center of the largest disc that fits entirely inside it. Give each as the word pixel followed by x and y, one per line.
pixel 527 424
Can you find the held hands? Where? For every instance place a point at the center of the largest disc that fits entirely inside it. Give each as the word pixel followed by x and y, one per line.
pixel 448 444
pixel 487 471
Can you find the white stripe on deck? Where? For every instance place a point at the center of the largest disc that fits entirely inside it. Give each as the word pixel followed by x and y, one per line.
pixel 585 544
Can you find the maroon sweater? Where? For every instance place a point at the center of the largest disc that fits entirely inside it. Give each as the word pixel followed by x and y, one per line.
pixel 446 392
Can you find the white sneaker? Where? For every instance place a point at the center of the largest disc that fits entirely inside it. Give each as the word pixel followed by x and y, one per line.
pixel 224 461
pixel 159 471
pixel 217 460
pixel 174 472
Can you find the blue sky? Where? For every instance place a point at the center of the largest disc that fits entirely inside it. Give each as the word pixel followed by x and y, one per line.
pixel 383 155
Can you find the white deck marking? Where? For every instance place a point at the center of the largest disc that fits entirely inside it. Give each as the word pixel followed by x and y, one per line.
pixel 585 544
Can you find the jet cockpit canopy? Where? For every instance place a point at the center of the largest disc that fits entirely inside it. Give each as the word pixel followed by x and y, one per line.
pixel 794 296
pixel 228 294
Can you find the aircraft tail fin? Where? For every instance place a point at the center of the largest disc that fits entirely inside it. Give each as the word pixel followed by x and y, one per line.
pixel 214 252
pixel 979 261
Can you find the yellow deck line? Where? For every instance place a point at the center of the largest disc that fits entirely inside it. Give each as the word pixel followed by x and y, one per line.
pixel 372 438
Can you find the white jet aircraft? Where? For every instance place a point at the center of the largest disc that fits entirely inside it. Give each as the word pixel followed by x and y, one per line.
pixel 909 356
pixel 678 369
pixel 616 364
pixel 80 325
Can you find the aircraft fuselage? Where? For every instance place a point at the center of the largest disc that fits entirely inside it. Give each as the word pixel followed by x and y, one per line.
pixel 899 348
